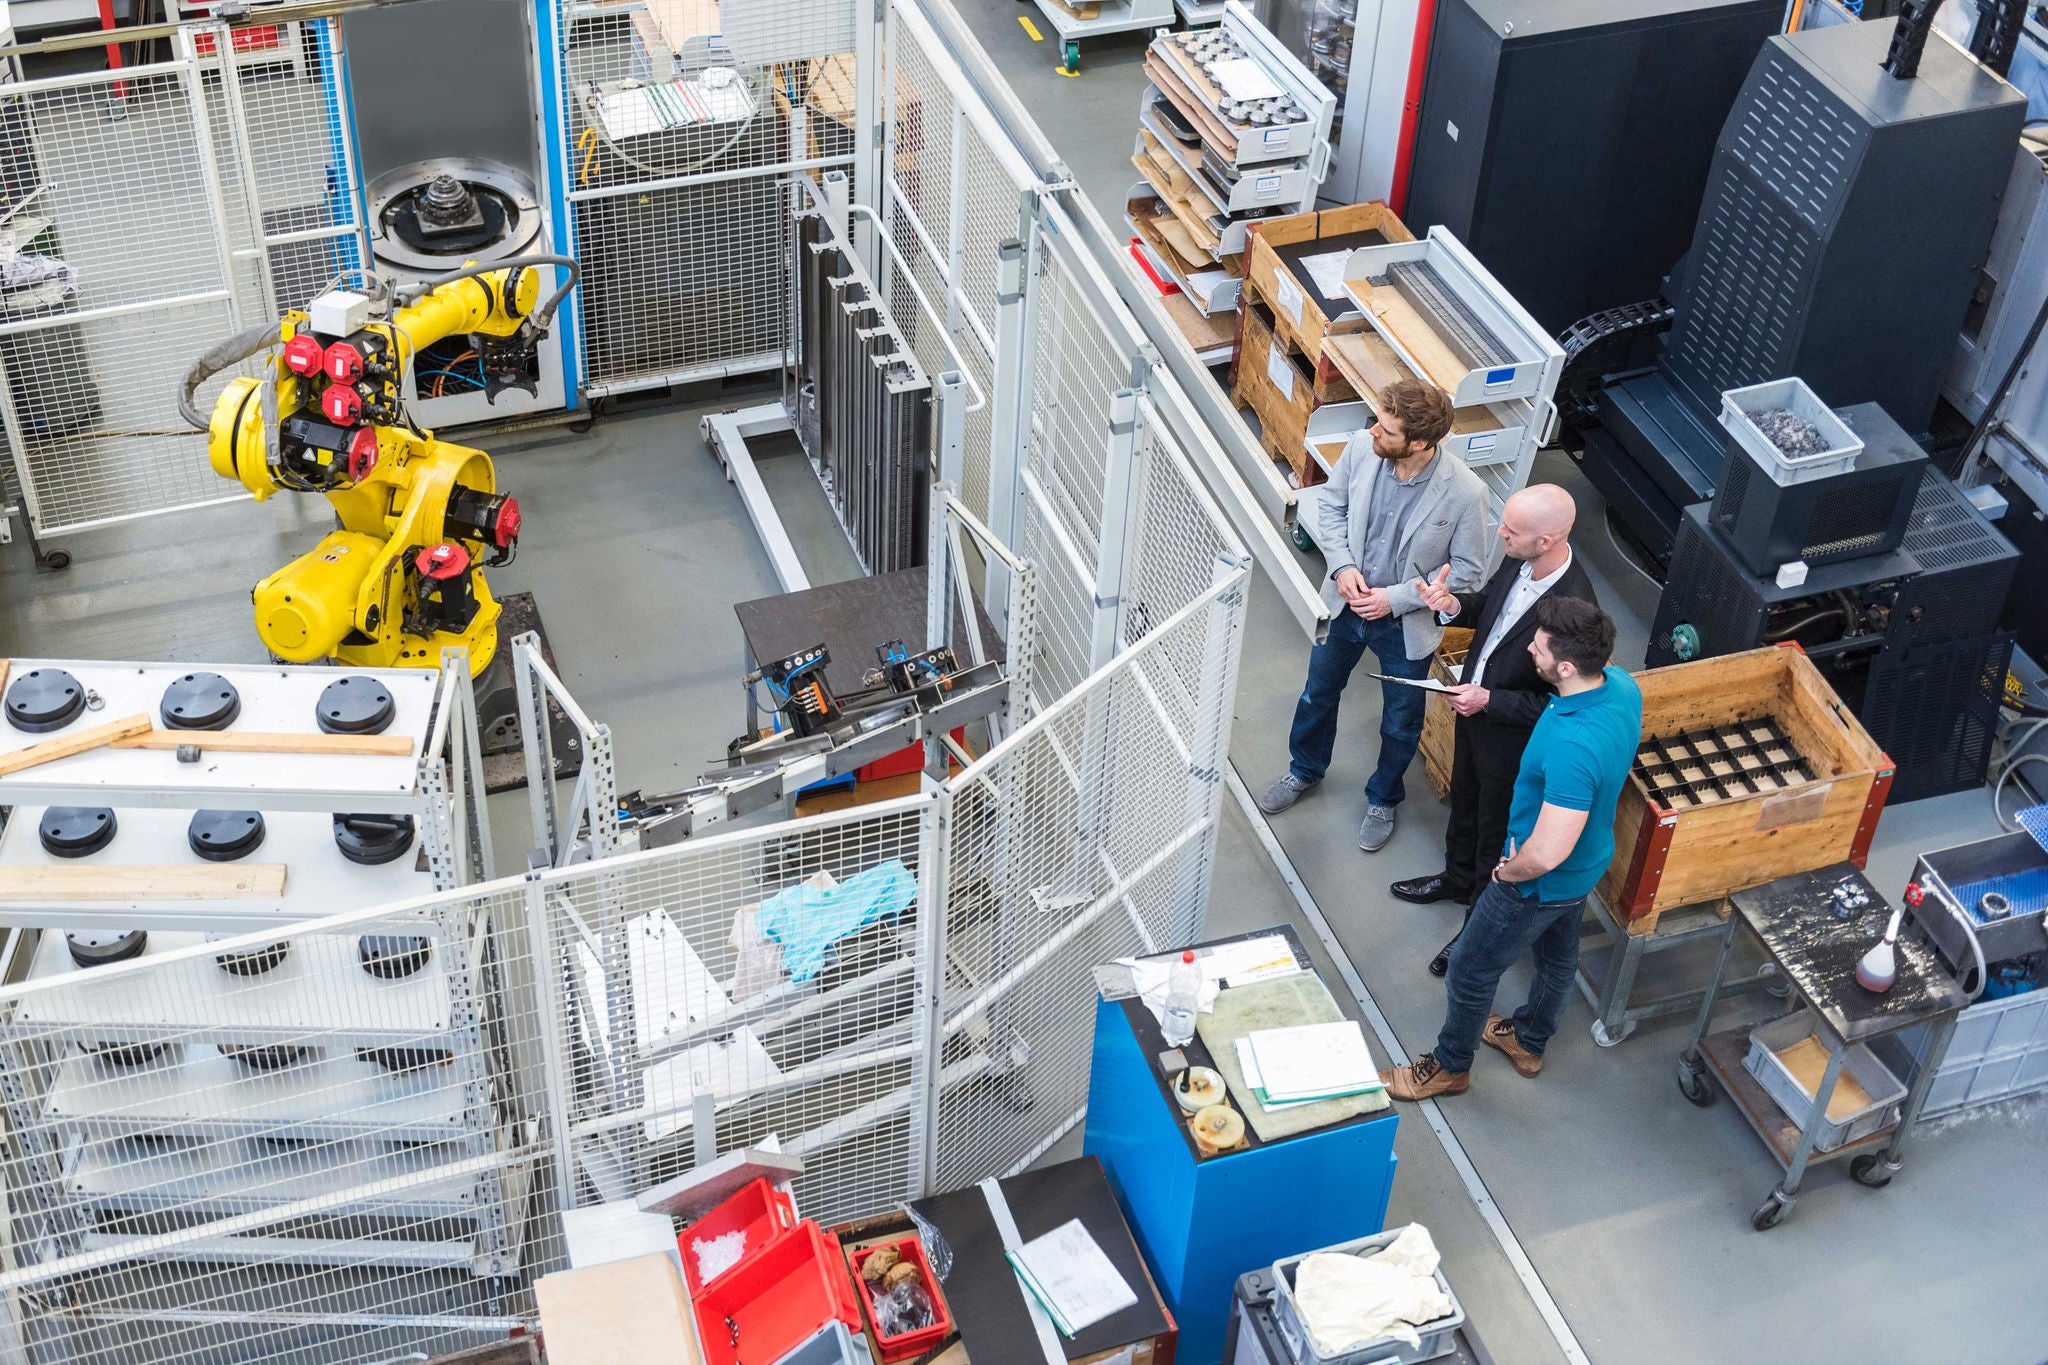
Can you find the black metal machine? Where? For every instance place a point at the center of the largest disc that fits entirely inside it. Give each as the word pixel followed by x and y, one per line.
pixel 1908 637
pixel 1769 520
pixel 1600 114
pixel 1847 212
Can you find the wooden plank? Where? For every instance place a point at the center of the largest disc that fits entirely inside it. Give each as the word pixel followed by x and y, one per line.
pixel 266 742
pixel 64 746
pixel 1367 361
pixel 177 881
pixel 1190 105
pixel 1396 315
pixel 1204 331
pixel 1717 849
pixel 1371 216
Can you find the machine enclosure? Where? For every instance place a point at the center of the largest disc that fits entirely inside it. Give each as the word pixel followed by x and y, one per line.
pixel 303 611
pixel 1858 512
pixel 1596 114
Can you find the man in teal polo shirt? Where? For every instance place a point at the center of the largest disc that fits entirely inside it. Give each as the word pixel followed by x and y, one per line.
pixel 1560 840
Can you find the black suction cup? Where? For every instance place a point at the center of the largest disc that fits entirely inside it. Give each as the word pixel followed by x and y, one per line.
pixel 221 836
pixel 98 947
pixel 392 956
pixel 121 1054
pixel 373 840
pixel 44 699
pixel 263 1058
pixel 251 963
pixel 200 701
pixel 403 1059
pixel 76 831
pixel 355 705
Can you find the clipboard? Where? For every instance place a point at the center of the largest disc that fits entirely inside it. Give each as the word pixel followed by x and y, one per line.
pixel 1426 684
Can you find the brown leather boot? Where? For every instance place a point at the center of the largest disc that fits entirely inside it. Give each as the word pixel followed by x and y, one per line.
pixel 1499 1033
pixel 1425 1080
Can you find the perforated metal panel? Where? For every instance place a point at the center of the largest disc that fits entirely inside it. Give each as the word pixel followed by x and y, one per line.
pixel 1934 711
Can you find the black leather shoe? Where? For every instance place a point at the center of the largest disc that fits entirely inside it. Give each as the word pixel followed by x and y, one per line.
pixel 1426 890
pixel 1440 965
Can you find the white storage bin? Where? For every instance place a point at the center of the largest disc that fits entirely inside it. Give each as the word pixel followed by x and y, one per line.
pixel 1885 1090
pixel 1439 1338
pixel 1740 406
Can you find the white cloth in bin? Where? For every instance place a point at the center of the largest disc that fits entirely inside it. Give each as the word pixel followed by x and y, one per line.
pixel 1346 1301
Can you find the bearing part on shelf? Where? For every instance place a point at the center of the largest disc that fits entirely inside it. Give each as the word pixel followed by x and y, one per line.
pixel 263 1058
pixel 222 836
pixel 403 1059
pixel 76 831
pixel 355 705
pixel 254 963
pixel 125 1054
pixel 98 947
pixel 393 956
pixel 200 701
pixel 1993 905
pixel 44 699
pixel 373 839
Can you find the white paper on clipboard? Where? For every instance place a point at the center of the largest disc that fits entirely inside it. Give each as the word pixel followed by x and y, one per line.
pixel 1426 684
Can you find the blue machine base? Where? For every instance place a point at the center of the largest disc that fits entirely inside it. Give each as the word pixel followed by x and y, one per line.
pixel 1201 1224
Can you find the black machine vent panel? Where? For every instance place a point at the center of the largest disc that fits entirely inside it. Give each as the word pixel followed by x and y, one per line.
pixel 1841 524
pixel 1934 711
pixel 1946 531
pixel 1742 314
pixel 1795 139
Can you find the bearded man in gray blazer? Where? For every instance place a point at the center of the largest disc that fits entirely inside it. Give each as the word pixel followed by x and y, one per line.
pixel 1395 511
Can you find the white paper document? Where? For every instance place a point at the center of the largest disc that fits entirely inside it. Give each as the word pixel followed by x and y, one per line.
pixel 1327 270
pixel 1426 684
pixel 1248 1063
pixel 1067 1272
pixel 1244 79
pixel 1314 1060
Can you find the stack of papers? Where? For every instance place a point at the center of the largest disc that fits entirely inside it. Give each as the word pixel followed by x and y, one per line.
pixel 1229 964
pixel 1067 1272
pixel 1304 1065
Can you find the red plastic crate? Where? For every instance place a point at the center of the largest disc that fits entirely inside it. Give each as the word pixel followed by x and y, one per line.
pixel 907 1344
pixel 260 38
pixel 757 1208
pixel 908 759
pixel 776 1299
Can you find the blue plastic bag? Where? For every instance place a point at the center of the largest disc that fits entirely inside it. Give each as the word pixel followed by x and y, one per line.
pixel 805 920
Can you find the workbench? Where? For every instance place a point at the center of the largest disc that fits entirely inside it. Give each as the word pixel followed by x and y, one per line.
pixel 1797 921
pixel 1203 1220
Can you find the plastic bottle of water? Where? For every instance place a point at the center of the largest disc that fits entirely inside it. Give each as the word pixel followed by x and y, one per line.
pixel 1183 999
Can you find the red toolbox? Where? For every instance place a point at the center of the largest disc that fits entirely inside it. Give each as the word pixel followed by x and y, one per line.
pixel 905 1345
pixel 757 1209
pixel 776 1299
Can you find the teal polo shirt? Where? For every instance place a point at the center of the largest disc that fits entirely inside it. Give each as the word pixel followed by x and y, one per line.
pixel 1578 756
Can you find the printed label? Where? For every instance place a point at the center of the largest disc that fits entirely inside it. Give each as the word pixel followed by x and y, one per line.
pixel 1288 296
pixel 1279 371
pixel 1276 137
pixel 1266 186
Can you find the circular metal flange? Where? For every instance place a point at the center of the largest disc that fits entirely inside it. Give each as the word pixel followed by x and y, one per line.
pixel 392 956
pixel 355 705
pixel 98 947
pixel 222 836
pixel 200 701
pixel 254 963
pixel 44 699
pixel 263 1058
pixel 76 831
pixel 508 191
pixel 373 840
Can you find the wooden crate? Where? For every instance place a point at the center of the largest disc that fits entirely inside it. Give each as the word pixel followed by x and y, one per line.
pixel 1438 719
pixel 1300 321
pixel 1668 855
pixel 1276 386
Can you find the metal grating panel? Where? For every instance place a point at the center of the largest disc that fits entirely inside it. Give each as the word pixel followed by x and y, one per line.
pixel 1934 710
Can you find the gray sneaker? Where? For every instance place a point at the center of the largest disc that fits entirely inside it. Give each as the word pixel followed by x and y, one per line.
pixel 1284 792
pixel 1377 829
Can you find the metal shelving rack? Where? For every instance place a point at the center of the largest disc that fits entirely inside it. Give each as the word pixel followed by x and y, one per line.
pixel 383 1109
pixel 1112 16
pixel 1276 168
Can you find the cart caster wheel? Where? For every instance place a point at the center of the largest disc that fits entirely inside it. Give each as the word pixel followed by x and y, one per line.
pixel 1606 1039
pixel 1870 1171
pixel 1072 52
pixel 1692 1083
pixel 1771 1212
pixel 582 425
pixel 55 561
pixel 1302 540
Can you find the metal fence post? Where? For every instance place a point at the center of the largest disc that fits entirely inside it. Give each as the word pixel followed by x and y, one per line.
pixel 537 741
pixel 871 139
pixel 1010 399
pixel 1106 632
pixel 928 1089
pixel 1209 738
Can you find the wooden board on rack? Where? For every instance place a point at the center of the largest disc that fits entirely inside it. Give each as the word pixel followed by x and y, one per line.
pixel 205 882
pixel 1204 331
pixel 1371 364
pixel 1440 364
pixel 1212 129
pixel 64 746
pixel 263 743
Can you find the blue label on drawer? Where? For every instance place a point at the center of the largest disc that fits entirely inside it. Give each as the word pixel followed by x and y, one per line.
pixel 1499 376
pixel 1481 443
pixel 1276 137
pixel 1266 186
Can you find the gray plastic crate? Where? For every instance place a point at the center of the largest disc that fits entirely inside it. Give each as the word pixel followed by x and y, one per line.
pixel 1999 1051
pixel 1439 1338
pixel 1886 1090
pixel 832 1344
pixel 1739 406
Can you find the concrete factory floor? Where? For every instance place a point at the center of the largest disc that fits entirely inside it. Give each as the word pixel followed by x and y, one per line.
pixel 1630 1206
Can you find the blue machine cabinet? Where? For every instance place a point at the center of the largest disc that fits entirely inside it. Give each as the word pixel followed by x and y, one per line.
pixel 1203 1221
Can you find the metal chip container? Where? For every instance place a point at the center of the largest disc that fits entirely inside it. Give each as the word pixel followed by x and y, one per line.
pixel 1886 1090
pixel 1739 408
pixel 1439 1338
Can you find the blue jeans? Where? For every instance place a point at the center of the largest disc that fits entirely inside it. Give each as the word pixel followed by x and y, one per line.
pixel 1330 665
pixel 1506 922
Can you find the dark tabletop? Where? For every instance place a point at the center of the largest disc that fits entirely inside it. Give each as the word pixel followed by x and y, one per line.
pixel 1796 921
pixel 851 620
pixel 982 1289
pixel 1294 253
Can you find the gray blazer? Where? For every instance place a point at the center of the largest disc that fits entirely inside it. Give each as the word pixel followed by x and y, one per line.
pixel 1448 526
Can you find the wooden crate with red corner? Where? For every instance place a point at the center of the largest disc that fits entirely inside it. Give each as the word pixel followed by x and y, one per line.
pixel 1274 385
pixel 1301 322
pixel 1675 846
pixel 1438 720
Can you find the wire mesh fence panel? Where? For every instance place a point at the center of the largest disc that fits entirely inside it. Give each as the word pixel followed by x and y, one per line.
pixel 680 139
pixel 735 989
pixel 311 1144
pixel 120 280
pixel 1084 837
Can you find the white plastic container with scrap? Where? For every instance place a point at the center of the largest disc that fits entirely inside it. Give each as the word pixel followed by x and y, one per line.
pixel 1218 150
pixel 1437 314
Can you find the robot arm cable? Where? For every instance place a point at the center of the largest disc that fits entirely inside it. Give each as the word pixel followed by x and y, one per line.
pixel 542 316
pixel 234 350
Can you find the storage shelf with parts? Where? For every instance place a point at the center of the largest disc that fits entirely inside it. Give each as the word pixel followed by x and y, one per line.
pixel 1232 130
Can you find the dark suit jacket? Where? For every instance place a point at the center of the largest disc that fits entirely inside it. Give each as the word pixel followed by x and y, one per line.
pixel 1518 694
